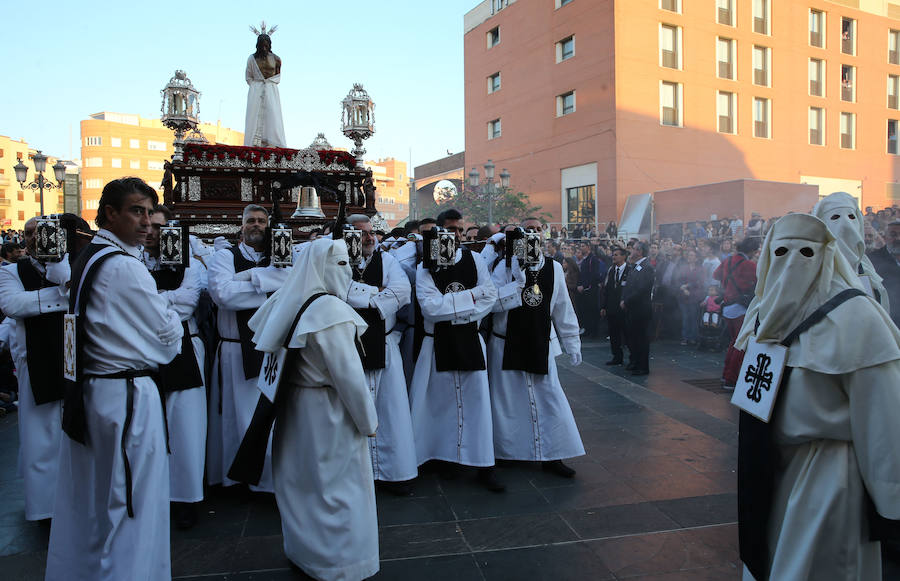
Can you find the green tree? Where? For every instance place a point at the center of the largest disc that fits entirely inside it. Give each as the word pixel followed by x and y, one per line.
pixel 509 206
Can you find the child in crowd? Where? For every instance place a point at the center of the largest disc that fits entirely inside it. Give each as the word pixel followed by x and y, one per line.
pixel 712 307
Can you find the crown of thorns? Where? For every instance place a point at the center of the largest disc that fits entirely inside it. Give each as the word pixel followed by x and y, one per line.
pixel 261 31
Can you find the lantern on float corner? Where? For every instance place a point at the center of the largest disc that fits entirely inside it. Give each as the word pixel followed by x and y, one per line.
pixel 358 119
pixel 180 109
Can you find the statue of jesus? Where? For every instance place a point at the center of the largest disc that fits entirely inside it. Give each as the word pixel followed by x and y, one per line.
pixel 263 126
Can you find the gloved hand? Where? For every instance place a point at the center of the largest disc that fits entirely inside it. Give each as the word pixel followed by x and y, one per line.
pixel 518 275
pixel 59 272
pixel 243 275
pixel 497 238
pixel 575 358
pixel 172 331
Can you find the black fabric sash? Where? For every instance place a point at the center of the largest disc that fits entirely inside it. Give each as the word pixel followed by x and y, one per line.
pixel 527 346
pixel 74 420
pixel 43 342
pixel 183 372
pixel 251 455
pixel 759 459
pixel 371 345
pixel 250 357
pixel 457 347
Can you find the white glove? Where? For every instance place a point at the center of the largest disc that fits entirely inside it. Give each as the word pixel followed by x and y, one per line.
pixel 173 330
pixel 243 275
pixel 575 358
pixel 518 274
pixel 59 272
pixel 496 238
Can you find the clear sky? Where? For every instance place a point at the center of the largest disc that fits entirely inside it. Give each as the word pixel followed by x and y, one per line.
pixel 66 60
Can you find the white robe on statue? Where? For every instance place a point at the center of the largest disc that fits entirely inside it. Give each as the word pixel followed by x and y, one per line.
pixel 239 396
pixel 451 410
pixel 540 426
pixel 263 126
pixel 92 536
pixel 186 414
pixel 392 449
pixel 40 429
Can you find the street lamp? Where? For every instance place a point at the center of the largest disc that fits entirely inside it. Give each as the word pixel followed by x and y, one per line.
pixel 490 187
pixel 40 182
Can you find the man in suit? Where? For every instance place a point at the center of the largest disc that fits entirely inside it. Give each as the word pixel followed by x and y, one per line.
pixel 886 261
pixel 611 309
pixel 636 302
pixel 590 278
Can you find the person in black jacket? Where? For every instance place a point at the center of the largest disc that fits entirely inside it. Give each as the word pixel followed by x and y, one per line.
pixel 611 309
pixel 590 279
pixel 886 261
pixel 636 302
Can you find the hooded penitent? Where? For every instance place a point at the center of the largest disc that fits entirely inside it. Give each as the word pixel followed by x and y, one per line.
pixel 840 212
pixel 800 267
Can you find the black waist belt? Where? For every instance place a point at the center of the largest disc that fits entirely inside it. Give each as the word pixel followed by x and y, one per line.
pixel 129 376
pixel 499 336
pixel 227 340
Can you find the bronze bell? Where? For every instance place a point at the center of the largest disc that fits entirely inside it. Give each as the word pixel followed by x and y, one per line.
pixel 308 204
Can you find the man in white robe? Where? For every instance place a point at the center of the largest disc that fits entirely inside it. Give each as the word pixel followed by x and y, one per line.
pixel 825 469
pixel 408 256
pixel 239 282
pixel 263 126
pixel 183 380
pixel 323 416
pixel 449 398
pixel 379 290
pixel 531 416
pixel 111 518
pixel 31 303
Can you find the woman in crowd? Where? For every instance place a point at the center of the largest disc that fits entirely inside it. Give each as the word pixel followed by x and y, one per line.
pixel 690 293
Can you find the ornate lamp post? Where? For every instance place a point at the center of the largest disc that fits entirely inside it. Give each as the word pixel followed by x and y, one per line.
pixel 490 187
pixel 40 183
pixel 180 109
pixel 358 119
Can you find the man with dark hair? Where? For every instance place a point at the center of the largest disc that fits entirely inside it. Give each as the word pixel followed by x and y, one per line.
pixel 412 226
pixel 426 224
pixel 472 233
pixel 611 309
pixel 636 302
pixel 111 517
pixel 451 371
pixel 590 282
pixel 11 252
pixel 737 275
pixel 240 279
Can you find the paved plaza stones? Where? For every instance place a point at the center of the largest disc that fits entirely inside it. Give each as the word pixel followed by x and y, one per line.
pixel 654 498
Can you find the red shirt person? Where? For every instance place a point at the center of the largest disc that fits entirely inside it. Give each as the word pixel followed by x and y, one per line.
pixel 737 275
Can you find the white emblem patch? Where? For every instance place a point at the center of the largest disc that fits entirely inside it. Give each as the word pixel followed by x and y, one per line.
pixel 532 296
pixel 757 384
pixel 70 369
pixel 454 287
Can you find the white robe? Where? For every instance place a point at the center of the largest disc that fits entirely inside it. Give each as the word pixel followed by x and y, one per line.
pixel 392 450
pixel 239 395
pixel 540 426
pixel 451 410
pixel 92 536
pixel 40 428
pixel 263 126
pixel 323 475
pixel 186 413
pixel 406 320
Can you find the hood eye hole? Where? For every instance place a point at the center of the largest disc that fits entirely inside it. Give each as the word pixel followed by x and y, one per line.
pixel 342 263
pixel 835 216
pixel 781 251
pixel 851 216
pixel 807 251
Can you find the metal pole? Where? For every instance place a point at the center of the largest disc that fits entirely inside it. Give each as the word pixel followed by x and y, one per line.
pixel 490 193
pixel 41 186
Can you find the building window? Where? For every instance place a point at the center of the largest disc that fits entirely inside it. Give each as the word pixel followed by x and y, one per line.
pixel 848 131
pixel 134 164
pixel 761 115
pixel 156 146
pixel 671 5
pixel 761 61
pixel 725 111
pixel 670 103
pixel 761 10
pixel 816 126
pixel 893 90
pixel 93 141
pixel 20 195
pixel 892 136
pixel 499 5
pixel 669 46
pixel 817 28
pixel 93 183
pixel 565 103
pixel 493 83
pixel 494 129
pixel 561 3
pixel 894 47
pixel 115 141
pixel 848 36
pixel 115 162
pixel 134 143
pixel 725 12
pixel 816 78
pixel 155 165
pixel 565 49
pixel 493 37
pixel 93 162
pixel 21 215
pixel 581 204
pixel 725 58
pixel 848 83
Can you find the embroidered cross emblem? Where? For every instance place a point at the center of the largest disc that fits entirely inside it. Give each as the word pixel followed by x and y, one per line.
pixel 759 377
pixel 271 368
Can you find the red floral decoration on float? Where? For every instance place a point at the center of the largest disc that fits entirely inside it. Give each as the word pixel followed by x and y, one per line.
pixel 256 155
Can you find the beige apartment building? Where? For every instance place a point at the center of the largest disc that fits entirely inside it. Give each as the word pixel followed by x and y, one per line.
pixel 18 205
pixel 587 102
pixel 391 189
pixel 115 145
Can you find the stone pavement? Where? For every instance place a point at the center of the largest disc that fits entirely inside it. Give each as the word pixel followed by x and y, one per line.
pixel 654 498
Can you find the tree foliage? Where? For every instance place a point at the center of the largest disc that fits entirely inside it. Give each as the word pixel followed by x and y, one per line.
pixel 509 206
